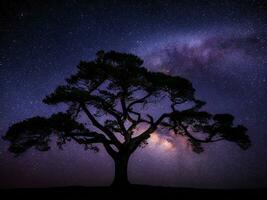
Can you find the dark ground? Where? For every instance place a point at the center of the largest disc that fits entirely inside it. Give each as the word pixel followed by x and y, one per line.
pixel 133 192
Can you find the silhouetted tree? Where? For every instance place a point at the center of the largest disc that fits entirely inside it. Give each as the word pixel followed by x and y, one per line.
pixel 115 93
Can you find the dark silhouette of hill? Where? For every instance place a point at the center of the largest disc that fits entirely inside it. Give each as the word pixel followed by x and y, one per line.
pixel 133 192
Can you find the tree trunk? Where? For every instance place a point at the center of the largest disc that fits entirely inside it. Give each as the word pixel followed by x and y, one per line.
pixel 121 166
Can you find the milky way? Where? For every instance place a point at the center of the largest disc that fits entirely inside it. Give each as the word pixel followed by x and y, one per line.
pixel 221 46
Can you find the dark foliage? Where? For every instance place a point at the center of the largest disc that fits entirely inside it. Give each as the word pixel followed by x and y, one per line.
pixel 116 88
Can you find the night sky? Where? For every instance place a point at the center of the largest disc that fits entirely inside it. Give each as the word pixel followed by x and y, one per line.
pixel 221 46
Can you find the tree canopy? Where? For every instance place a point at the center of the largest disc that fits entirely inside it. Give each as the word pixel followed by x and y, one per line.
pixel 115 94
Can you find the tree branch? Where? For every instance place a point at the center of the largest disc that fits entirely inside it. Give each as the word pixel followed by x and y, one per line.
pixel 106 143
pixel 123 106
pixel 146 134
pixel 101 127
pixel 141 100
pixel 207 140
pixel 87 140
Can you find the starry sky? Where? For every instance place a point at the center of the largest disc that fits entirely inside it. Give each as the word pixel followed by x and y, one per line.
pixel 221 46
